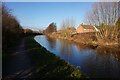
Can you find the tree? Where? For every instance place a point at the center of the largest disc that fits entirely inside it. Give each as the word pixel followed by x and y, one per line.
pixel 67 27
pixel 51 28
pixel 118 22
pixel 103 13
pixel 11 29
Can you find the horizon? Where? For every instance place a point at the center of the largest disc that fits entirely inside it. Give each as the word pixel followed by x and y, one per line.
pixel 38 15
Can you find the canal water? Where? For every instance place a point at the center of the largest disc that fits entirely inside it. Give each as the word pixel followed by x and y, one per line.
pixel 101 62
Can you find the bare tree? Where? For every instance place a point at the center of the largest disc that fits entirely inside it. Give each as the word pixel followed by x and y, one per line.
pixel 67 27
pixel 103 13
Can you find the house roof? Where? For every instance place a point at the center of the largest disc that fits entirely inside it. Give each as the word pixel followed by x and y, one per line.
pixel 87 26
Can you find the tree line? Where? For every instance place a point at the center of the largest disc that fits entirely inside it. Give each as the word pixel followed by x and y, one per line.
pixel 103 15
pixel 11 29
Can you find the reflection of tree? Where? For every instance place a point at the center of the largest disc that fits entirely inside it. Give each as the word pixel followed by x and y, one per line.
pixel 66 49
pixel 114 51
pixel 82 48
pixel 101 65
pixel 103 62
pixel 51 42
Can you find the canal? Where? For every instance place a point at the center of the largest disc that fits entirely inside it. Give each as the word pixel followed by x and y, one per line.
pixel 101 62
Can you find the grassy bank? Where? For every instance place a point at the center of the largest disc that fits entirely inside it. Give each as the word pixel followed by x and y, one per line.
pixel 87 39
pixel 47 65
pixel 90 39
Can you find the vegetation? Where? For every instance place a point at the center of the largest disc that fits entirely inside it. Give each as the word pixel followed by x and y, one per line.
pixel 45 65
pixel 28 32
pixel 105 15
pixel 51 28
pixel 108 35
pixel 118 22
pixel 102 15
pixel 85 38
pixel 11 29
pixel 51 66
pixel 67 27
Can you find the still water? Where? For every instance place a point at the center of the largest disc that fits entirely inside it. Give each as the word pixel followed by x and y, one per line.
pixel 96 63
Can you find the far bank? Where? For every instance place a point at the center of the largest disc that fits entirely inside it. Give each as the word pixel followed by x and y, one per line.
pixel 87 39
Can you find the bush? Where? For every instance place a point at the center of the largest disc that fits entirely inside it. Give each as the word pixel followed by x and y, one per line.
pixel 107 33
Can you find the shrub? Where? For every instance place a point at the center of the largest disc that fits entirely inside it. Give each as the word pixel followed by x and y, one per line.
pixel 107 33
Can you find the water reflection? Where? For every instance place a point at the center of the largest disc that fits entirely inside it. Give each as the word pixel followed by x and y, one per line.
pixel 101 62
pixel 51 42
pixel 66 50
pixel 65 47
pixel 109 51
pixel 82 48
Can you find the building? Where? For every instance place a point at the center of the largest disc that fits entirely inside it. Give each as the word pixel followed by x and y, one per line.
pixel 86 28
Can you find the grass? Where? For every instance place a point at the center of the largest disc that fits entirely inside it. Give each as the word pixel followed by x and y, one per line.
pixel 50 66
pixel 46 64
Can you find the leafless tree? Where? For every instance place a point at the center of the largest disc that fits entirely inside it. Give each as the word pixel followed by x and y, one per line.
pixel 67 27
pixel 103 13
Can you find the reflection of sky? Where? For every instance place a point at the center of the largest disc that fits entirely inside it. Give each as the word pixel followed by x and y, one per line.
pixel 90 61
